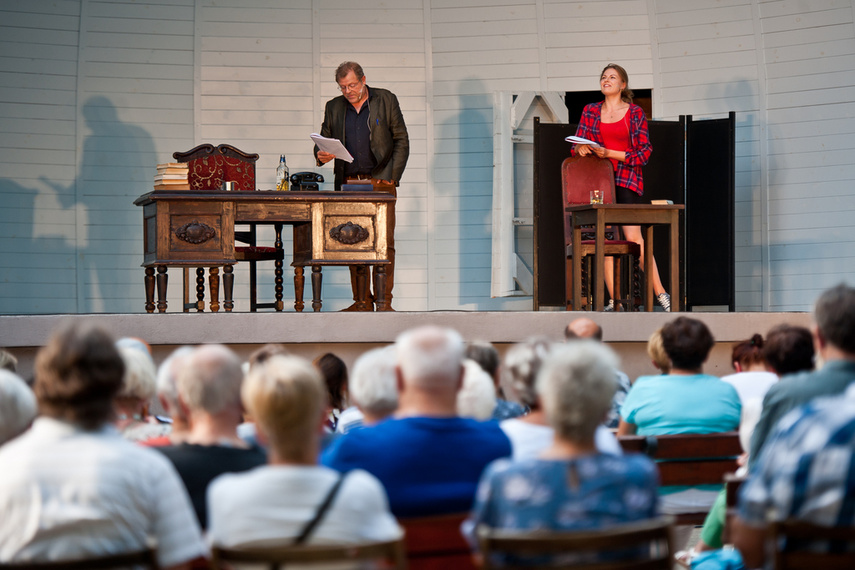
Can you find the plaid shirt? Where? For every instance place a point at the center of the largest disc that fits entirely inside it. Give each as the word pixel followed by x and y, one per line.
pixel 628 173
pixel 806 470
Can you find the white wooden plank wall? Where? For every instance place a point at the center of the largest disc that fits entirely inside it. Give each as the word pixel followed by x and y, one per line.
pixel 809 52
pixel 95 92
pixel 38 69
pixel 709 66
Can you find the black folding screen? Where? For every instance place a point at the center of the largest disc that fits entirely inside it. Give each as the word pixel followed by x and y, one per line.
pixel 693 164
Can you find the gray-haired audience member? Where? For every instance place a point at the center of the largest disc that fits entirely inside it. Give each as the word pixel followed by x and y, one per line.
pixel 17 406
pixel 288 400
pixel 139 385
pixel 373 389
pixel 532 433
pixel 74 488
pixel 571 484
pixel 209 387
pixel 167 395
pixel 8 361
pixel 585 328
pixel 477 397
pixel 486 355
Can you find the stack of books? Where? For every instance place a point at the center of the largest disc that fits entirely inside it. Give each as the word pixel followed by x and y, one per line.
pixel 171 176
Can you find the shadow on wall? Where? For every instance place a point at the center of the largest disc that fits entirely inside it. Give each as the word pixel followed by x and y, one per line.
pixel 77 245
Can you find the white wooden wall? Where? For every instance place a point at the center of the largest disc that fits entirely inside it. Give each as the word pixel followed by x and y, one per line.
pixel 93 93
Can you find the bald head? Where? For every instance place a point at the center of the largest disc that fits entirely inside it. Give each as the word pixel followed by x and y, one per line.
pixel 583 327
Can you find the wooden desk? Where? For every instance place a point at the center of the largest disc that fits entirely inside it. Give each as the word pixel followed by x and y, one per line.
pixel 188 228
pixel 645 215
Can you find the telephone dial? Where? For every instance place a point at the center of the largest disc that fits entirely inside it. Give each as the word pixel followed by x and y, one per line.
pixel 305 181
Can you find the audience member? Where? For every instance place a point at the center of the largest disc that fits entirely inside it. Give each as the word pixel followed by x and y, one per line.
pixel 834 339
pixel 477 397
pixel 428 459
pixel 804 471
pixel 657 353
pixel 487 357
pixel 787 348
pixel 531 434
pixel 133 401
pixel 261 355
pixel 683 401
pixel 752 378
pixel 209 387
pixel 288 400
pixel 72 487
pixel 372 389
pixel 572 486
pixel 334 372
pixel 167 395
pixel 585 328
pixel 8 361
pixel 17 405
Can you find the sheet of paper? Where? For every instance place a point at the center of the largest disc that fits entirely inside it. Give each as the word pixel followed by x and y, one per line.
pixel 580 140
pixel 332 146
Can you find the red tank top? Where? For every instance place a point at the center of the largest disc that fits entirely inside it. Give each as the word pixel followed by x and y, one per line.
pixel 616 136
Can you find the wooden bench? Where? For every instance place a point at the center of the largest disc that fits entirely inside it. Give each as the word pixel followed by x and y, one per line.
pixel 688 459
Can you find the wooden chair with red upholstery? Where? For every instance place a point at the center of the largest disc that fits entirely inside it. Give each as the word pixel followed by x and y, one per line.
pixel 436 543
pixel 208 168
pixel 580 175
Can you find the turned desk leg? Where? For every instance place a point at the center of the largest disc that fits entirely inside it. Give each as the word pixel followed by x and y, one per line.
pixel 362 275
pixel 162 280
pixel 299 287
pixel 214 285
pixel 228 288
pixel 379 287
pixel 149 289
pixel 200 289
pixel 317 279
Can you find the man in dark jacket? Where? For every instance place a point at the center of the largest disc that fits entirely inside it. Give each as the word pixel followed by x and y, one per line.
pixel 368 121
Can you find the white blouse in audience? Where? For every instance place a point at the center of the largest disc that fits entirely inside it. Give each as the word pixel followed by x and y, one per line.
pixel 528 439
pixel 270 504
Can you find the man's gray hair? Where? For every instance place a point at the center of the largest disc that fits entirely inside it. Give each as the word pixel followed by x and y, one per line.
pixel 210 380
pixel 17 405
pixel 373 383
pixel 835 317
pixel 346 67
pixel 576 384
pixel 430 356
pixel 167 374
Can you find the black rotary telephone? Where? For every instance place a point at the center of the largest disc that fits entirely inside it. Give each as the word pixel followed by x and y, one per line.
pixel 305 181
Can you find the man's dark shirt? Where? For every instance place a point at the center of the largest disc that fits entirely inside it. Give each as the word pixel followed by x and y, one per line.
pixel 357 140
pixel 198 465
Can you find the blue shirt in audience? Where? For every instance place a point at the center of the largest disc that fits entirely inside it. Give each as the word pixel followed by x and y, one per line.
pixel 429 466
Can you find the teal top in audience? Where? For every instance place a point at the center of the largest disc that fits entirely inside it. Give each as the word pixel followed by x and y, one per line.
pixel 428 466
pixel 699 403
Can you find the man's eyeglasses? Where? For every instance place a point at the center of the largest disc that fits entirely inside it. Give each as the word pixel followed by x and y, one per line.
pixel 351 87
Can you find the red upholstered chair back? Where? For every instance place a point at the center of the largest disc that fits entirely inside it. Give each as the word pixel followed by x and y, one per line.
pixel 580 175
pixel 210 166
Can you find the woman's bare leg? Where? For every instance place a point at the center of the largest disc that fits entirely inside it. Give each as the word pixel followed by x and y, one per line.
pixel 633 234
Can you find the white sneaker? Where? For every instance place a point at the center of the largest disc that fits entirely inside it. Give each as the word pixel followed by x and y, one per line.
pixel 610 307
pixel 665 300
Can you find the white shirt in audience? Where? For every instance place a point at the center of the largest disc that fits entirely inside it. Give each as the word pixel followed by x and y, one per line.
pixel 271 504
pixel 751 385
pixel 528 440
pixel 67 493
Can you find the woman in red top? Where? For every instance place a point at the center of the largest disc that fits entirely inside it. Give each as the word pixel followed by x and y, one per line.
pixel 619 127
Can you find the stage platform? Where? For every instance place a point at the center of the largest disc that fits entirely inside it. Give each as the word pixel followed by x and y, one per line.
pixel 349 334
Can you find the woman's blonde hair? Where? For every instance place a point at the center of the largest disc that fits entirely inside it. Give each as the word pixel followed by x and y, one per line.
pixel 287 398
pixel 626 93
